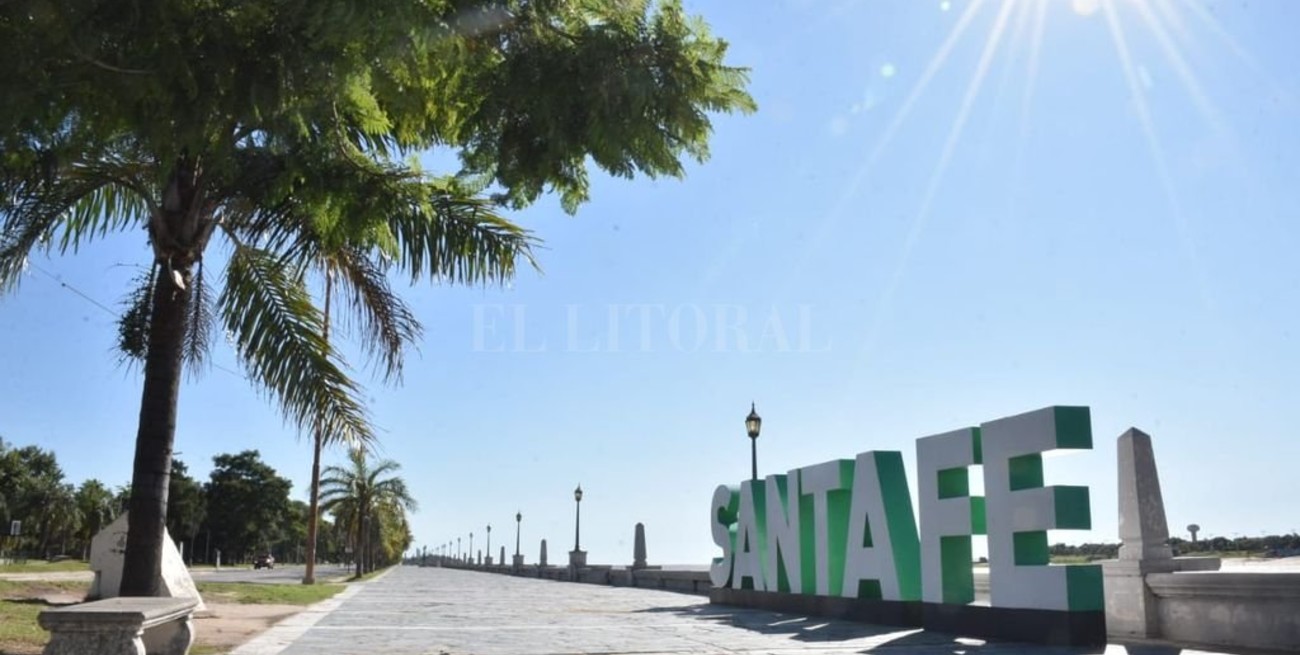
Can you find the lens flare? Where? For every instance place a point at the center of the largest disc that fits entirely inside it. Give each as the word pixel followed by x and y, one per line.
pixel 1085 7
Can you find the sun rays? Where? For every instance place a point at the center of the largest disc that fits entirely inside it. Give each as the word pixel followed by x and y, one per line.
pixel 1168 24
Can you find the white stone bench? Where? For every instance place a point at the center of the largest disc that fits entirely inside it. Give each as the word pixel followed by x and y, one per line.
pixel 121 626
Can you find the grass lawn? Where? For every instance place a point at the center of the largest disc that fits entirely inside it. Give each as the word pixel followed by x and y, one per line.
pixel 19 632
pixel 19 605
pixel 261 594
pixel 42 566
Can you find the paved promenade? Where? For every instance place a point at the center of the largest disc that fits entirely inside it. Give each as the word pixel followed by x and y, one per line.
pixel 434 611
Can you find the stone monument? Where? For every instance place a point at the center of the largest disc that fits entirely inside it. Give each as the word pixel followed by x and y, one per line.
pixel 542 560
pixel 638 547
pixel 1144 534
pixel 502 560
pixel 106 555
pixel 1143 530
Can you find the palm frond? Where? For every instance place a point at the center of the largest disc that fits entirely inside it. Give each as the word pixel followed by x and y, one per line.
pixel 395 490
pixel 456 237
pixel 428 228
pixel 198 334
pixel 121 198
pixel 277 332
pixel 87 201
pixel 383 467
pixel 387 323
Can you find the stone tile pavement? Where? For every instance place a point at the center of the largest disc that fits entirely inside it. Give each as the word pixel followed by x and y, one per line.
pixel 434 611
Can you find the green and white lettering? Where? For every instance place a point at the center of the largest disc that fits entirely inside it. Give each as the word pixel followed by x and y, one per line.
pixel 1021 511
pixel 829 485
pixel 949 514
pixel 747 571
pixel 847 527
pixel 787 564
pixel 880 558
pixel 722 521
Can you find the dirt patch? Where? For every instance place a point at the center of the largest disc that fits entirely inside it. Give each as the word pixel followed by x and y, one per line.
pixel 224 626
pixel 45 593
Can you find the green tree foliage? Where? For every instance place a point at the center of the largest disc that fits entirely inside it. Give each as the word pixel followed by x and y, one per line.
pixel 98 508
pixel 369 504
pixel 186 506
pixel 268 123
pixel 293 534
pixel 59 519
pixel 36 495
pixel 247 502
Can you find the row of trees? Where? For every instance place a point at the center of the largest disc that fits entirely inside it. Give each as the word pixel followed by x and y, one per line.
pixel 1278 545
pixel 57 517
pixel 243 509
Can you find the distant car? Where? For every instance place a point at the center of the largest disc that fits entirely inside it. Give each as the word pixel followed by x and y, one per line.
pixel 264 562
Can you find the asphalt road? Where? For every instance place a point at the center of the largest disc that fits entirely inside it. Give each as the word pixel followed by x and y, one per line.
pixel 281 574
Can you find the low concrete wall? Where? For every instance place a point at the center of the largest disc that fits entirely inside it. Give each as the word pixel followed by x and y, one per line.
pixel 681 581
pixel 1252 610
pixel 687 582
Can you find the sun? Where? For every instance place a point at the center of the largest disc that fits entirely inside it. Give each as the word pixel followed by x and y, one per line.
pixel 1085 7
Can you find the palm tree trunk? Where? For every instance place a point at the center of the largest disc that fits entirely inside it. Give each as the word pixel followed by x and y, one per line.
pixel 313 512
pixel 357 547
pixel 153 443
pixel 358 552
pixel 318 438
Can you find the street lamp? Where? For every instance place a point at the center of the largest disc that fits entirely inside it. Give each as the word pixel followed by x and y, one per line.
pixel 458 556
pixel 577 558
pixel 489 544
pixel 577 517
pixel 519 559
pixel 753 423
pixel 471 548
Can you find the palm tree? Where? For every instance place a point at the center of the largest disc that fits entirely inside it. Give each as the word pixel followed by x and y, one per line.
pixel 98 509
pixel 364 499
pixel 392 326
pixel 282 208
pixel 59 517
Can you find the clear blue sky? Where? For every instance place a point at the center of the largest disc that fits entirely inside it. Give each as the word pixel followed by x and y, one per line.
pixel 870 260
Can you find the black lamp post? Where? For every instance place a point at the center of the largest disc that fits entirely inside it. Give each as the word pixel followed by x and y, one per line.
pixel 753 423
pixel 471 548
pixel 489 540
pixel 577 517
pixel 518 517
